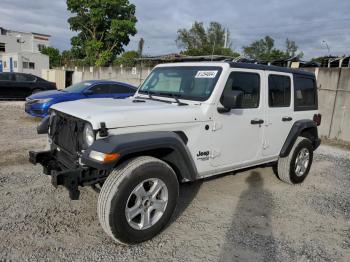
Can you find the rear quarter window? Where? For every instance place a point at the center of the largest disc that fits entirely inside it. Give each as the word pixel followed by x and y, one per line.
pixel 305 93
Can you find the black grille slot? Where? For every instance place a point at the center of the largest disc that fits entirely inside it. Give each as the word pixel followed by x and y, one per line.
pixel 67 133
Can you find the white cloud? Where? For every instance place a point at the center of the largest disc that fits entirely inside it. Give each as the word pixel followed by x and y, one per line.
pixel 306 22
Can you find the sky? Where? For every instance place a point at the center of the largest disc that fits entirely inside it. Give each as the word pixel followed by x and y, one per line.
pixel 309 23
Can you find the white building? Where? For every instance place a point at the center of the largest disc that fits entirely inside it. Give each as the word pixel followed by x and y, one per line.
pixel 20 52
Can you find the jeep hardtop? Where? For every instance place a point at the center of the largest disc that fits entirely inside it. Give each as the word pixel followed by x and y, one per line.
pixel 187 121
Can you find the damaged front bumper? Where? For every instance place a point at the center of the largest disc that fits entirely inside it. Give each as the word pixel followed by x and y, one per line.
pixel 70 178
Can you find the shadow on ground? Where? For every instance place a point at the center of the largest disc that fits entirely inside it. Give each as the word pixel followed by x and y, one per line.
pixel 250 232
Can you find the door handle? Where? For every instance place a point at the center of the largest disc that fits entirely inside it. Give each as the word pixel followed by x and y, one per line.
pixel 257 121
pixel 287 119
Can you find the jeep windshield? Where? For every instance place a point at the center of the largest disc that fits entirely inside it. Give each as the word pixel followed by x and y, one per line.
pixel 186 82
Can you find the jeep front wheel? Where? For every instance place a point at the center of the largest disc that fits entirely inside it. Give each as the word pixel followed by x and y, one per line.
pixel 138 199
pixel 295 167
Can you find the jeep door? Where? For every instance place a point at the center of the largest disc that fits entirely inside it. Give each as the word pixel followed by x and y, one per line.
pixel 238 134
pixel 279 111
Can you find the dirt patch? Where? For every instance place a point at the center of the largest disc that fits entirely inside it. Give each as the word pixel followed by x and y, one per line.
pixel 250 216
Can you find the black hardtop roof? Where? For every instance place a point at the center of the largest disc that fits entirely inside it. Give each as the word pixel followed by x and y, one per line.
pixel 270 68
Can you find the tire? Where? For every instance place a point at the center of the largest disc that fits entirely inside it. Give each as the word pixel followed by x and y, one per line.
pixel 122 187
pixel 287 166
pixel 36 91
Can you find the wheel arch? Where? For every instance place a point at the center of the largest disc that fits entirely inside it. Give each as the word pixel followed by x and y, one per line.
pixel 305 128
pixel 166 146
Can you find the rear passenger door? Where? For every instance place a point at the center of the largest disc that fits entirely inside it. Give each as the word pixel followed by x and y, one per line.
pixel 279 112
pixel 24 84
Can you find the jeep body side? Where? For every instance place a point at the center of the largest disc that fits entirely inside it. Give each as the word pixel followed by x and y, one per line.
pixel 187 121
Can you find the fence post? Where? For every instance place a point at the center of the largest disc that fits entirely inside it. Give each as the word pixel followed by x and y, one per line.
pixel 334 104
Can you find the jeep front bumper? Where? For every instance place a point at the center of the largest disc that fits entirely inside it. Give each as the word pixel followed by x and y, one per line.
pixel 70 178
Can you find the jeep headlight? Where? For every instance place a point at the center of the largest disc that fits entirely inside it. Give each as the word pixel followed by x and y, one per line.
pixel 88 135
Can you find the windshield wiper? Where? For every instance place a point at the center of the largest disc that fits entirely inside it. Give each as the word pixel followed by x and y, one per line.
pixel 150 97
pixel 176 97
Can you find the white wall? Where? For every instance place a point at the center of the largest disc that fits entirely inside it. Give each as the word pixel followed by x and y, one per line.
pixel 40 62
pixel 28 42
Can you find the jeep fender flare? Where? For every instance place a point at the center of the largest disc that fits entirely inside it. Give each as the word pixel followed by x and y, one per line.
pixel 167 146
pixel 296 131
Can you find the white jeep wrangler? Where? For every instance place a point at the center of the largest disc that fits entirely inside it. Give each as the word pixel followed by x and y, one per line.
pixel 187 121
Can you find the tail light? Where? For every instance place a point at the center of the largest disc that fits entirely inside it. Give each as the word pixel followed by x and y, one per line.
pixel 317 119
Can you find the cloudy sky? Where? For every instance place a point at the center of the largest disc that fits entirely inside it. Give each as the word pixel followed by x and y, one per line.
pixel 307 22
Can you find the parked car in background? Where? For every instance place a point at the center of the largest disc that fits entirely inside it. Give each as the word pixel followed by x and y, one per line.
pixel 38 104
pixel 20 85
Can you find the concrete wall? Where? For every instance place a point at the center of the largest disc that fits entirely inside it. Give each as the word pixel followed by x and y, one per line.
pixel 129 75
pixel 334 102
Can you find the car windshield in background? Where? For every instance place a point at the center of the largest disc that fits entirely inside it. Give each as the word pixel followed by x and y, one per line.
pixel 193 83
pixel 77 88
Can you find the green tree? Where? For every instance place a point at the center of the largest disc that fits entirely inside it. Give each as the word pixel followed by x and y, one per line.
pixel 127 59
pixel 67 58
pixel 103 26
pixel 54 56
pixel 264 50
pixel 200 41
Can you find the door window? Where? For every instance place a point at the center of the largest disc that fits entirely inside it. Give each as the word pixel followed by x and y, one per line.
pixel 5 77
pixel 120 89
pixel 279 91
pixel 305 93
pixel 249 84
pixel 25 78
pixel 100 89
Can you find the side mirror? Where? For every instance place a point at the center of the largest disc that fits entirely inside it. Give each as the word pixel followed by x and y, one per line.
pixel 43 127
pixel 231 100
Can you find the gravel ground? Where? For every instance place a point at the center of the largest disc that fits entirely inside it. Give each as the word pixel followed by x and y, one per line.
pixel 249 216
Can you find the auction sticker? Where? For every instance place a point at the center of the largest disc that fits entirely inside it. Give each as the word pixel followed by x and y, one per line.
pixel 206 74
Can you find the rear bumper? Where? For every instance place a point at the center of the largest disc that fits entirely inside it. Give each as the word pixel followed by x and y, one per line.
pixel 70 178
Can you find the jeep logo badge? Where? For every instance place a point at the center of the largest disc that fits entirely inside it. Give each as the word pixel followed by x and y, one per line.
pixel 203 155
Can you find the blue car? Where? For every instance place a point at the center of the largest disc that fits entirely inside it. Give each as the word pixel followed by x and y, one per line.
pixel 38 104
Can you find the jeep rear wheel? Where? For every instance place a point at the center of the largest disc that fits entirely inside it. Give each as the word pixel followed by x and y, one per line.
pixel 138 199
pixel 295 167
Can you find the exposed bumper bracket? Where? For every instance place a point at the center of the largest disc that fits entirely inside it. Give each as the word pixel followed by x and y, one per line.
pixel 69 178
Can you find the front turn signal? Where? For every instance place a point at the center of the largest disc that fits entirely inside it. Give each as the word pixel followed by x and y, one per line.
pixel 103 157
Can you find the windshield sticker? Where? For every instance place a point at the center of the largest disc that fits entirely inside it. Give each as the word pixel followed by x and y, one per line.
pixel 206 74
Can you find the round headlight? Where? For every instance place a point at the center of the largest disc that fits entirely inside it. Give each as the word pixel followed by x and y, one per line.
pixel 89 136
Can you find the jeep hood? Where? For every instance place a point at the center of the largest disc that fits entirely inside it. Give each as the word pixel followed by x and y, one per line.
pixel 126 112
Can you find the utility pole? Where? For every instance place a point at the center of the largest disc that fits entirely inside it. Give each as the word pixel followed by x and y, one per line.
pixel 226 36
pixel 140 51
pixel 329 51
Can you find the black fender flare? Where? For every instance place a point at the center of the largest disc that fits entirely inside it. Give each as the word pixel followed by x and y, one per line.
pixel 176 152
pixel 296 130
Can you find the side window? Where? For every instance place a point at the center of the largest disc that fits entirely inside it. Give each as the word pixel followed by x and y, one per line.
pixel 279 91
pixel 120 89
pixel 25 78
pixel 305 93
pixel 5 77
pixel 249 84
pixel 100 89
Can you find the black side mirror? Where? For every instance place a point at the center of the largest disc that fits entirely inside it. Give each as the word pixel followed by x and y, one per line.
pixel 231 100
pixel 43 127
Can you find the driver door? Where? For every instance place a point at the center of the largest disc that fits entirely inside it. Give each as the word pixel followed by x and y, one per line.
pixel 238 134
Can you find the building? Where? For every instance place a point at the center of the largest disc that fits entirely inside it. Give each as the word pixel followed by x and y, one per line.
pixel 20 52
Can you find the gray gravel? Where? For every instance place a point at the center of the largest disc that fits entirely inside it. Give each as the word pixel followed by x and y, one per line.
pixel 249 216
